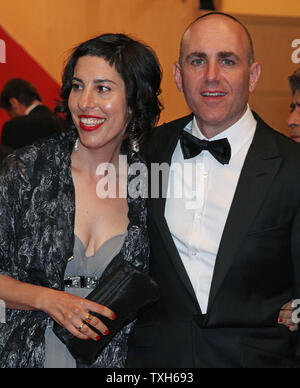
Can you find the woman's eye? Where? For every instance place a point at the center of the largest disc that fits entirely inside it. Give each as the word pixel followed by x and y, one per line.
pixel 76 87
pixel 103 89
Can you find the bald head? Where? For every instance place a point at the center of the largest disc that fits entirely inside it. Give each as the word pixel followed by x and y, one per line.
pixel 216 72
pixel 217 17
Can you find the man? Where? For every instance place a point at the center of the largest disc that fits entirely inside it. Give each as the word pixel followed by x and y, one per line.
pixel 293 120
pixel 227 255
pixel 31 119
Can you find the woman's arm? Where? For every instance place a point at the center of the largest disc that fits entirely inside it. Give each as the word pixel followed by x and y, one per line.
pixel 286 316
pixel 68 310
pixel 18 295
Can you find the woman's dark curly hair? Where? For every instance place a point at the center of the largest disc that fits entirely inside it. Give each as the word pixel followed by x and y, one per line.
pixel 139 68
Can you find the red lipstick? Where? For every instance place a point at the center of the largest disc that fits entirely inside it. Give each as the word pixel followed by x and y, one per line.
pixel 90 123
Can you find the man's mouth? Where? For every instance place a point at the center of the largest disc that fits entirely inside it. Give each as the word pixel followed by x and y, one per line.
pixel 90 123
pixel 213 94
pixel 294 137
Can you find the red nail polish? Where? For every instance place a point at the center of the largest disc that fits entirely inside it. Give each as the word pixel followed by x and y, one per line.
pixel 113 317
pixel 97 338
pixel 106 332
pixel 280 320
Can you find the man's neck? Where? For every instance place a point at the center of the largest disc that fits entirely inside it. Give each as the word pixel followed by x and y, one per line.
pixel 34 104
pixel 210 131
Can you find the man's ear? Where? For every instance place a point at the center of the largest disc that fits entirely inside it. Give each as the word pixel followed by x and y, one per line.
pixel 255 71
pixel 177 76
pixel 14 102
pixel 17 108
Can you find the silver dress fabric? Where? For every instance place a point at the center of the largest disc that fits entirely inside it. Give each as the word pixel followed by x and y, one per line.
pixel 57 355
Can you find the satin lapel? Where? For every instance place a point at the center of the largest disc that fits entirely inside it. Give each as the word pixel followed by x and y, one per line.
pixel 163 154
pixel 260 167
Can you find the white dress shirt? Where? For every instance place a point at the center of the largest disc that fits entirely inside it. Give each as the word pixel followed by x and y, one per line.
pixel 197 218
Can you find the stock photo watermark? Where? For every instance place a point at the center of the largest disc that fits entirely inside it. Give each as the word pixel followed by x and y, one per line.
pixel 296 312
pixel 2 311
pixel 2 51
pixel 178 181
pixel 296 53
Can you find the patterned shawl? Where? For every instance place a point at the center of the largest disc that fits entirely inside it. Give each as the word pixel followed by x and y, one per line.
pixel 37 211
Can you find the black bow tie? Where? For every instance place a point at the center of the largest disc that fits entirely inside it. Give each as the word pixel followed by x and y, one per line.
pixel 192 146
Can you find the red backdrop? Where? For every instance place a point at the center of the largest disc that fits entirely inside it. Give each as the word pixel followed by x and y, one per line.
pixel 19 64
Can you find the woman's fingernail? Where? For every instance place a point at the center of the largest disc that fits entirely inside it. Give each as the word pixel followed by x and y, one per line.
pixel 113 317
pixel 106 332
pixel 97 338
pixel 280 320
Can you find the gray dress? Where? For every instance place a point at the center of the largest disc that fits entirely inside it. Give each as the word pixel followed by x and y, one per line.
pixel 57 355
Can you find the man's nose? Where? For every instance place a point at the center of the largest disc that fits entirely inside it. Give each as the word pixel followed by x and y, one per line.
pixel 293 119
pixel 212 73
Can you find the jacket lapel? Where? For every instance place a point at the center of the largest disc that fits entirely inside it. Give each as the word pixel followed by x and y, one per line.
pixel 260 167
pixel 163 154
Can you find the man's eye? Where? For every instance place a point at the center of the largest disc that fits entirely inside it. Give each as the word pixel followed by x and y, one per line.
pixel 197 62
pixel 228 62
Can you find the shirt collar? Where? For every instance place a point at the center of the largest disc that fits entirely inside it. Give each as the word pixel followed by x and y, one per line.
pixel 238 134
pixel 31 107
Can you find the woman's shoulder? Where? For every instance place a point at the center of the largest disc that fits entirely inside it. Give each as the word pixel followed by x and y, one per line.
pixel 42 154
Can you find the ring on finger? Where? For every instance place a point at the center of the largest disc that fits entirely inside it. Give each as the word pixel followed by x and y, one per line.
pixel 81 327
pixel 89 318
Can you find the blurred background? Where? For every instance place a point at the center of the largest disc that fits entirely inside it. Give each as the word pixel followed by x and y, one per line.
pixel 36 37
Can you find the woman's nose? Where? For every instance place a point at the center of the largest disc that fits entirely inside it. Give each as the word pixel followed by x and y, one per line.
pixel 86 100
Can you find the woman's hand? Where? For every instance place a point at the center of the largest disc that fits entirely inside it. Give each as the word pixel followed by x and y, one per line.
pixel 72 312
pixel 285 316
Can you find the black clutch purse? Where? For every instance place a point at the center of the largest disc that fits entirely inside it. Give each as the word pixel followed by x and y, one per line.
pixel 127 292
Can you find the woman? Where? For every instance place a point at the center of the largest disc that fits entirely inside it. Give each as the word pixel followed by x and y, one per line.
pixel 54 228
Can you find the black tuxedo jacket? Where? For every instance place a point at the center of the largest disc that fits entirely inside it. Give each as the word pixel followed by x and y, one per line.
pixel 25 130
pixel 257 268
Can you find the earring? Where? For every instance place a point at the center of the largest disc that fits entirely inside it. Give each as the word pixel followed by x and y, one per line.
pixel 135 146
pixel 76 146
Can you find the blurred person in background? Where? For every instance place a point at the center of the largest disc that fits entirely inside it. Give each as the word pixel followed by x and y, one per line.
pixel 30 118
pixel 293 120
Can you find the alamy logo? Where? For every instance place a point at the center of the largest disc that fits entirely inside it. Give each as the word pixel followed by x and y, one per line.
pixel 296 312
pixel 2 311
pixel 296 53
pixel 2 51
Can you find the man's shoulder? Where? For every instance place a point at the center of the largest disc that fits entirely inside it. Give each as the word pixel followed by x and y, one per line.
pixel 164 130
pixel 40 111
pixel 178 123
pixel 45 152
pixel 12 129
pixel 286 146
pixel 15 122
pixel 18 123
pixel 160 136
